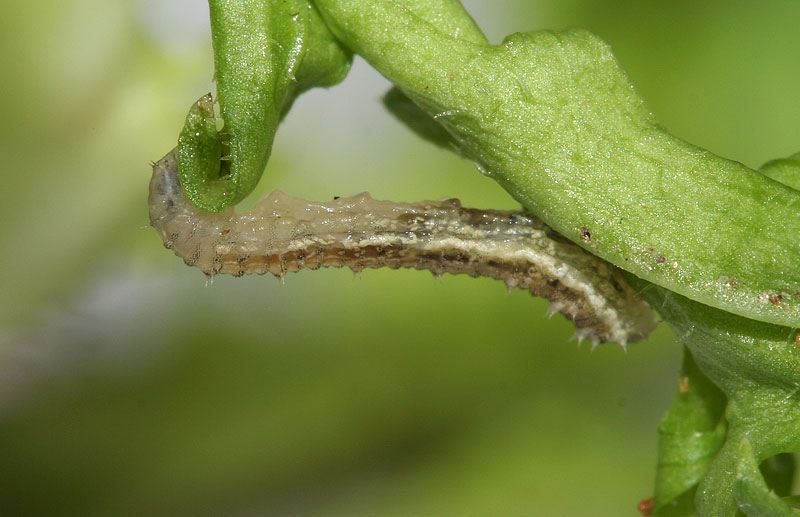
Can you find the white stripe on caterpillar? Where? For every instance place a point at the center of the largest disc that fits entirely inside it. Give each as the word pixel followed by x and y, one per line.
pixel 283 233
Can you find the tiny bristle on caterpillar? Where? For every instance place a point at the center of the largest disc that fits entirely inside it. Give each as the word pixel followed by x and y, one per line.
pixel 283 234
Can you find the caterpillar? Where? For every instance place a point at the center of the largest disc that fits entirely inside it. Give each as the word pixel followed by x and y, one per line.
pixel 283 234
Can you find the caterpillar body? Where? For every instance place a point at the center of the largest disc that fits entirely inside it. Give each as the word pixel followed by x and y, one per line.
pixel 283 234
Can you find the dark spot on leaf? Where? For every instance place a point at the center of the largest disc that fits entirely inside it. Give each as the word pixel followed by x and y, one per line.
pixel 776 299
pixel 646 506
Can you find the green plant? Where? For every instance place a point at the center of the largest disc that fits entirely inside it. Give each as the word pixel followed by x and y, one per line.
pixel 708 242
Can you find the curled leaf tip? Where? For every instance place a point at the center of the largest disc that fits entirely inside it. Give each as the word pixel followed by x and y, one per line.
pixel 199 154
pixel 265 53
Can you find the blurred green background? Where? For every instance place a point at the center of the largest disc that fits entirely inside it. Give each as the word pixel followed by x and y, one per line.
pixel 130 385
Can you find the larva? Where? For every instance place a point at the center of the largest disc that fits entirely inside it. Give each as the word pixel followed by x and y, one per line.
pixel 283 233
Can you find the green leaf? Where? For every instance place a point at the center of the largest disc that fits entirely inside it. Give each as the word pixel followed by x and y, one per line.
pixel 553 118
pixel 451 19
pixel 754 497
pixel 416 120
pixel 757 367
pixel 689 438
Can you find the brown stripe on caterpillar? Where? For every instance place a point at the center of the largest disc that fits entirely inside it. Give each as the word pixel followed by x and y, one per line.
pixel 283 234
